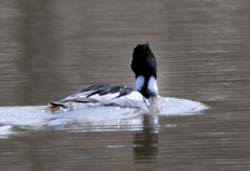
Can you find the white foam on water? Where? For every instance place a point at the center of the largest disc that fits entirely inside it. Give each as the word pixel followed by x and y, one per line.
pixel 6 131
pixel 30 116
pixel 90 119
pixel 181 107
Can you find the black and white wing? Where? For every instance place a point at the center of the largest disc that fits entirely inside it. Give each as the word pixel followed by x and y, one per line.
pixel 91 94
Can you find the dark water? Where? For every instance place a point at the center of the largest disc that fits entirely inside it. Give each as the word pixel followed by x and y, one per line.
pixel 50 48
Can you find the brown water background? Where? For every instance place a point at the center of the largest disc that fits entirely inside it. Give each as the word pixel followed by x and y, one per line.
pixel 50 48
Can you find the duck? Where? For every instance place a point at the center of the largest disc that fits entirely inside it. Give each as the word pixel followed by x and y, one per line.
pixel 146 93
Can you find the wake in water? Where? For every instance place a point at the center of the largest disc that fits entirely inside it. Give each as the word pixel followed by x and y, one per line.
pixel 90 118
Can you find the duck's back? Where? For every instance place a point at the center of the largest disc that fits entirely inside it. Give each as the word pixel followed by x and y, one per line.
pixel 91 94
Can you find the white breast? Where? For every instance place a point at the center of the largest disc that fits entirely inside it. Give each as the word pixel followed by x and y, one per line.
pixel 140 81
pixel 152 85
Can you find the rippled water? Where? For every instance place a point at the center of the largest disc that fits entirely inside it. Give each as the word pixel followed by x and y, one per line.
pixel 50 48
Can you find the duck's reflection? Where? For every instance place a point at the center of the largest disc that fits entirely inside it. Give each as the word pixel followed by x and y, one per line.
pixel 145 142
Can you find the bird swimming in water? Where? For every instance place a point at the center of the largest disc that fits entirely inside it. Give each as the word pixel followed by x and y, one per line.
pixel 145 69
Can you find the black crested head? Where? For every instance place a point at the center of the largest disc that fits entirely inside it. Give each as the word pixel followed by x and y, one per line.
pixel 143 62
pixel 144 66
